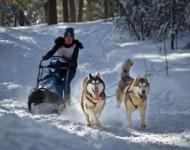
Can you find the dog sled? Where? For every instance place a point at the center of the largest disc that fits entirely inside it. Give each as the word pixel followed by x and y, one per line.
pixel 45 90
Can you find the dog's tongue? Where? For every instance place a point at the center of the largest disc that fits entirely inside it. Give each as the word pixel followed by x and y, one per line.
pixel 97 96
pixel 143 97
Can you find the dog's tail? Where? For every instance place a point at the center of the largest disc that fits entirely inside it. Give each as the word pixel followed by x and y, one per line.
pixel 127 66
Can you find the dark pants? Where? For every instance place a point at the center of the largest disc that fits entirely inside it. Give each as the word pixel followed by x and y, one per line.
pixel 63 83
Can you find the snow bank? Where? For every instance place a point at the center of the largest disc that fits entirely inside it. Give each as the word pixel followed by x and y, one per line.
pixel 105 49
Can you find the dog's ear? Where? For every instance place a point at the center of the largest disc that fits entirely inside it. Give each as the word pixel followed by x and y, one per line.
pixel 129 61
pixel 138 77
pixel 98 75
pixel 136 81
pixel 90 76
pixel 146 77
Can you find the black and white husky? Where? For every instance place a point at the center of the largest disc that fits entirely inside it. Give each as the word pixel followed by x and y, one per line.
pixel 93 98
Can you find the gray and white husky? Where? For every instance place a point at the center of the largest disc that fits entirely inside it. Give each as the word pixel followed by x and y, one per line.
pixel 135 98
pixel 133 92
pixel 93 98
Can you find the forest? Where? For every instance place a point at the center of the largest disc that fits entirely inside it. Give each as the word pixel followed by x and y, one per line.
pixel 145 19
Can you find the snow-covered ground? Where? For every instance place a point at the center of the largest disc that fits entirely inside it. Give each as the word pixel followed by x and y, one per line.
pixel 168 113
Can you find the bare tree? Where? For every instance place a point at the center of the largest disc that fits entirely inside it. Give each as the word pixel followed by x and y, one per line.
pixel 80 10
pixel 65 11
pixel 106 8
pixel 46 11
pixel 1 18
pixel 15 18
pixel 21 17
pixel 172 24
pixel 52 12
pixel 122 10
pixel 2 13
pixel 72 10
pixel 110 8
pixel 89 10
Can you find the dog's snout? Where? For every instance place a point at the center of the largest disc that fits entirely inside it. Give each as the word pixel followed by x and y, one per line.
pixel 143 91
pixel 96 88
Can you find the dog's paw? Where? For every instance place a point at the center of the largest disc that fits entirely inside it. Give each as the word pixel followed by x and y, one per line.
pixel 60 108
pixel 88 125
pixel 143 126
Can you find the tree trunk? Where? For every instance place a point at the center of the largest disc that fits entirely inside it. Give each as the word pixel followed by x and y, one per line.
pixel 80 11
pixel 110 6
pixel 142 28
pixel 134 29
pixel 106 9
pixel 2 18
pixel 65 11
pixel 52 12
pixel 15 18
pixel 46 11
pixel 172 24
pixel 21 18
pixel 122 10
pixel 72 10
pixel 89 10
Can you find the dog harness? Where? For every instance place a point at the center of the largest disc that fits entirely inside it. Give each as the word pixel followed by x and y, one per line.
pixel 124 82
pixel 142 97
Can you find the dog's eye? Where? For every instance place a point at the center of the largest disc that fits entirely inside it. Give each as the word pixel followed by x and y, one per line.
pixel 140 86
pixel 97 82
pixel 125 71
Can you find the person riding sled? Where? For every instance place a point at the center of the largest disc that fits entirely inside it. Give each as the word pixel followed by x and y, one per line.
pixel 67 48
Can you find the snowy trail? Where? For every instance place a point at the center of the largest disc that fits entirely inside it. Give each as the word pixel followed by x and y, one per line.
pixel 97 137
pixel 168 110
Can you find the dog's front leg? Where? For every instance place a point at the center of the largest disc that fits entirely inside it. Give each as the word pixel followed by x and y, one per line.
pixel 119 97
pixel 142 115
pixel 88 119
pixel 128 114
pixel 87 115
pixel 92 117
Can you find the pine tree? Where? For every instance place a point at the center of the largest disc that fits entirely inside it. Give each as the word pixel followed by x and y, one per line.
pixel 72 10
pixel 52 12
pixel 89 10
pixel 80 10
pixel 65 11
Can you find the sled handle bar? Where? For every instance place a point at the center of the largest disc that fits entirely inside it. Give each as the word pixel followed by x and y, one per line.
pixel 53 67
pixel 63 57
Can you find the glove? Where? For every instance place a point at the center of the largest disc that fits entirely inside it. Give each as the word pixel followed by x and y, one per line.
pixel 80 45
pixel 45 57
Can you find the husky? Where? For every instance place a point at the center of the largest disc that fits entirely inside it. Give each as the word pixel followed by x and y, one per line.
pixel 134 94
pixel 93 98
pixel 124 82
pixel 42 95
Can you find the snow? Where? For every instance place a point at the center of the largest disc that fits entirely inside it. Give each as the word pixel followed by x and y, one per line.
pixel 105 49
